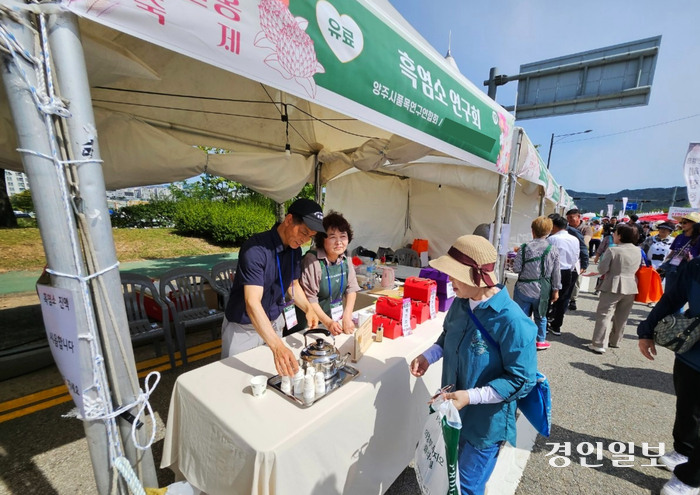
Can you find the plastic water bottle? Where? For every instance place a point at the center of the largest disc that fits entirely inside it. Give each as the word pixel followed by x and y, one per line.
pixel 370 277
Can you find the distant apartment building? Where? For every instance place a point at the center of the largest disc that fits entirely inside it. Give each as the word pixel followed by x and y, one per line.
pixel 145 193
pixel 16 182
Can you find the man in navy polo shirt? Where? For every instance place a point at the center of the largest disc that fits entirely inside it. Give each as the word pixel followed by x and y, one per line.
pixel 269 265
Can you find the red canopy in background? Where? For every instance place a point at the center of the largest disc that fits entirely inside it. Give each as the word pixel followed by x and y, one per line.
pixel 656 218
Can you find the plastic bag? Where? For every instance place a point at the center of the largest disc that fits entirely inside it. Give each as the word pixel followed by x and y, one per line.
pixel 437 452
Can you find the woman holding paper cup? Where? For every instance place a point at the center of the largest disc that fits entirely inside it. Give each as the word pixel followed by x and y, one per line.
pixel 328 278
pixel 490 371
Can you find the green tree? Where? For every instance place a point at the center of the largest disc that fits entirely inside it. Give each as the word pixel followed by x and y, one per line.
pixel 23 201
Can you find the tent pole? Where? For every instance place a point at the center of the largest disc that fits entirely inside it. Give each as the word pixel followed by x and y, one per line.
pixel 543 199
pixel 510 198
pixel 317 181
pixel 71 73
pixel 53 220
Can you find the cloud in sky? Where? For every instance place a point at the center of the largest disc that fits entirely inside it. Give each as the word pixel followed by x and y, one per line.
pixel 508 34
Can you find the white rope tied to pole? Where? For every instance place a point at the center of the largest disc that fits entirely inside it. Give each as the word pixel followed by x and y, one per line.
pixel 98 405
pixel 83 278
pixel 62 162
pixel 95 410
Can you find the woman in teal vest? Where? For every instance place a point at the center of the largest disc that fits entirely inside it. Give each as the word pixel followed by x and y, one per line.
pixel 328 276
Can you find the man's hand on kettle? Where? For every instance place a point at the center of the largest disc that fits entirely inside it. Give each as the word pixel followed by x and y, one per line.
pixel 312 318
pixel 285 362
pixel 334 327
pixel 419 366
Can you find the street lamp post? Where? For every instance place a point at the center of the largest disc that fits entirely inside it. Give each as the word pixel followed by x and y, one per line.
pixel 551 142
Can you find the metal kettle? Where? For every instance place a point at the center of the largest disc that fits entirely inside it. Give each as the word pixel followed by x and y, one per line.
pixel 322 355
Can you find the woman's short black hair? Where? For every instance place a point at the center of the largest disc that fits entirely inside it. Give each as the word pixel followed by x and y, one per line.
pixel 333 220
pixel 627 233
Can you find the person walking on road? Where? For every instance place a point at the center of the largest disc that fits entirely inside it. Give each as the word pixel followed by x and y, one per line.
pixel 595 238
pixel 618 289
pixel 539 280
pixel 684 460
pixel 583 232
pixel 569 251
pixel 658 246
pixel 684 248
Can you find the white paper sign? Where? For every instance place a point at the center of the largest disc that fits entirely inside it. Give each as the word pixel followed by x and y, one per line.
pixel 424 259
pixel 505 239
pixel 691 171
pixel 58 311
pixel 676 214
pixel 406 317
pixel 433 309
pixel 450 290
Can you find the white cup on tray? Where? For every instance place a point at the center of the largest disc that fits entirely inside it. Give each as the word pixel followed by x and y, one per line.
pixel 258 385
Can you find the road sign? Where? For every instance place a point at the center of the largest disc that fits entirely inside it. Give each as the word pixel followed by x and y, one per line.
pixel 604 79
pixel 632 206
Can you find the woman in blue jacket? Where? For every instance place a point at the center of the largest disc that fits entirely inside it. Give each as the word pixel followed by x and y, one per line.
pixel 487 380
pixel 684 460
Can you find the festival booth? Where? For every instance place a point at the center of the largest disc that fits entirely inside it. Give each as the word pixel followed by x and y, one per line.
pixel 406 145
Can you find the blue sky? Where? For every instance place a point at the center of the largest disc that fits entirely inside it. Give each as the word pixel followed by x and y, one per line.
pixel 507 34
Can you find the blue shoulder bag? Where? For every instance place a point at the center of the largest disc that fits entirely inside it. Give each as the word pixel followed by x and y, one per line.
pixel 536 405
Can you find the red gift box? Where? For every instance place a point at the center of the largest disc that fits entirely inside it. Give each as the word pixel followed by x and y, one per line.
pixel 392 328
pixel 421 310
pixel 390 306
pixel 419 288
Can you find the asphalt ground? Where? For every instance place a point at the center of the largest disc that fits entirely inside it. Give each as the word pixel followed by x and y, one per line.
pixel 615 397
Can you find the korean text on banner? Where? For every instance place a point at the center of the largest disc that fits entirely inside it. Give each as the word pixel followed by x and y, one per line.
pixel 312 49
pixel 58 311
pixel 676 214
pixel 691 171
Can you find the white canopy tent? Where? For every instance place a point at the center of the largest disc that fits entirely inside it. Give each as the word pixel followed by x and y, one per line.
pixel 160 88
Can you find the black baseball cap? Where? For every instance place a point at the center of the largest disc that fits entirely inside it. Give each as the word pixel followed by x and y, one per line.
pixel 665 225
pixel 309 211
pixel 574 211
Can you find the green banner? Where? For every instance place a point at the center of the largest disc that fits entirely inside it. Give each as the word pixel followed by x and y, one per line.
pixel 367 61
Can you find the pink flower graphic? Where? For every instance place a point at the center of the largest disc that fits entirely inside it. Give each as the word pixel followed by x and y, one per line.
pixel 293 54
pixel 274 16
pixel 503 160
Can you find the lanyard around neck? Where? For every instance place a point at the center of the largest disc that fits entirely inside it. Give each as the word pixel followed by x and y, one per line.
pixel 328 277
pixel 279 271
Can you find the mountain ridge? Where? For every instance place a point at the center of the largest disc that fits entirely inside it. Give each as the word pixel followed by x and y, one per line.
pixel 655 198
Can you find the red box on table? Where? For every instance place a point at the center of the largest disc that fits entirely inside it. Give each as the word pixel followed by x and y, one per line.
pixel 392 328
pixel 419 288
pixel 390 306
pixel 421 310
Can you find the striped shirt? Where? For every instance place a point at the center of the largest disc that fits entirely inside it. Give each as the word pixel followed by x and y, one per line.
pixel 532 270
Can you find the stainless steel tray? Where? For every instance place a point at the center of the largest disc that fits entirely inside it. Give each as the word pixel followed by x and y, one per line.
pixel 345 374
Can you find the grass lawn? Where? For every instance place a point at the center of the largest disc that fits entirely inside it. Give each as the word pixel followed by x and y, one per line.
pixel 21 249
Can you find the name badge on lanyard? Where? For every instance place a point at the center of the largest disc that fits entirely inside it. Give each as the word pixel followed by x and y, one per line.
pixel 290 314
pixel 676 260
pixel 337 304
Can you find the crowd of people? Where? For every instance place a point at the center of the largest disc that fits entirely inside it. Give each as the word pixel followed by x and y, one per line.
pixel 491 338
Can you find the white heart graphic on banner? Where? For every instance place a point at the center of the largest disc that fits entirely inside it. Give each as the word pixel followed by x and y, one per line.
pixel 341 32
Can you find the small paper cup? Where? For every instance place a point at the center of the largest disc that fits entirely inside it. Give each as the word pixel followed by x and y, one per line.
pixel 258 384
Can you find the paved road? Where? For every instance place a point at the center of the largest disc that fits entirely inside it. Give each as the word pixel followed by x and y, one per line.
pixel 617 397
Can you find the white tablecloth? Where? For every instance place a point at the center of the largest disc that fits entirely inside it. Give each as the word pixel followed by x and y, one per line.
pixel 355 441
